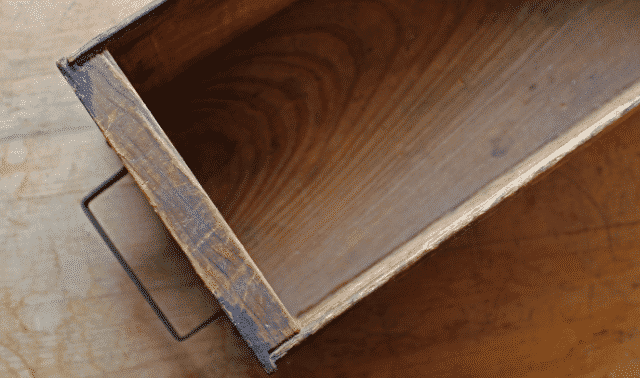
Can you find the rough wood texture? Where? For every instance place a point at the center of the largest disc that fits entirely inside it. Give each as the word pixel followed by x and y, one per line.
pixel 67 308
pixel 336 131
pixel 546 286
pixel 181 203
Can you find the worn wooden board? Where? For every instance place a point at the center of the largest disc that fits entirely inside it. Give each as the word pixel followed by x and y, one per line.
pixel 67 309
pixel 184 207
pixel 546 285
pixel 537 276
pixel 338 132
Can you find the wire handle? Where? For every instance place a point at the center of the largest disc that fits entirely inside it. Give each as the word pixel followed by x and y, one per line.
pixel 145 293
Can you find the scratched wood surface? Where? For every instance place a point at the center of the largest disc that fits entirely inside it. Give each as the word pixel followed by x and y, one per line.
pixel 546 285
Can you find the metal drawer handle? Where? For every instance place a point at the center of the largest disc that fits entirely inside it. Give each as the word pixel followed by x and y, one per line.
pixel 85 207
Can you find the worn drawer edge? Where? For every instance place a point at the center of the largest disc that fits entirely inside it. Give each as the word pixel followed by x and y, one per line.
pixel 213 249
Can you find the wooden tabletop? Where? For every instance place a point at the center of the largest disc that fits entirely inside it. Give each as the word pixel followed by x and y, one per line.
pixel 545 285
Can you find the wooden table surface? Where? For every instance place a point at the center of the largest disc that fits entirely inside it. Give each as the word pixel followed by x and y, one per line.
pixel 545 285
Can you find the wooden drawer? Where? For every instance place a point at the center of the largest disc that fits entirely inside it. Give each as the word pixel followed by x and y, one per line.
pixel 303 153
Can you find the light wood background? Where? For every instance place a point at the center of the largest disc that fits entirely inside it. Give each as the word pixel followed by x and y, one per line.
pixel 546 285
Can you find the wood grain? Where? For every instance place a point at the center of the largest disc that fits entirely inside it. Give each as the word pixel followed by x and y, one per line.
pixel 190 216
pixel 156 43
pixel 483 201
pixel 536 276
pixel 337 131
pixel 544 286
pixel 67 308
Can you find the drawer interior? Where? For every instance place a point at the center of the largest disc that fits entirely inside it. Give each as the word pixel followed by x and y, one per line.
pixel 334 131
